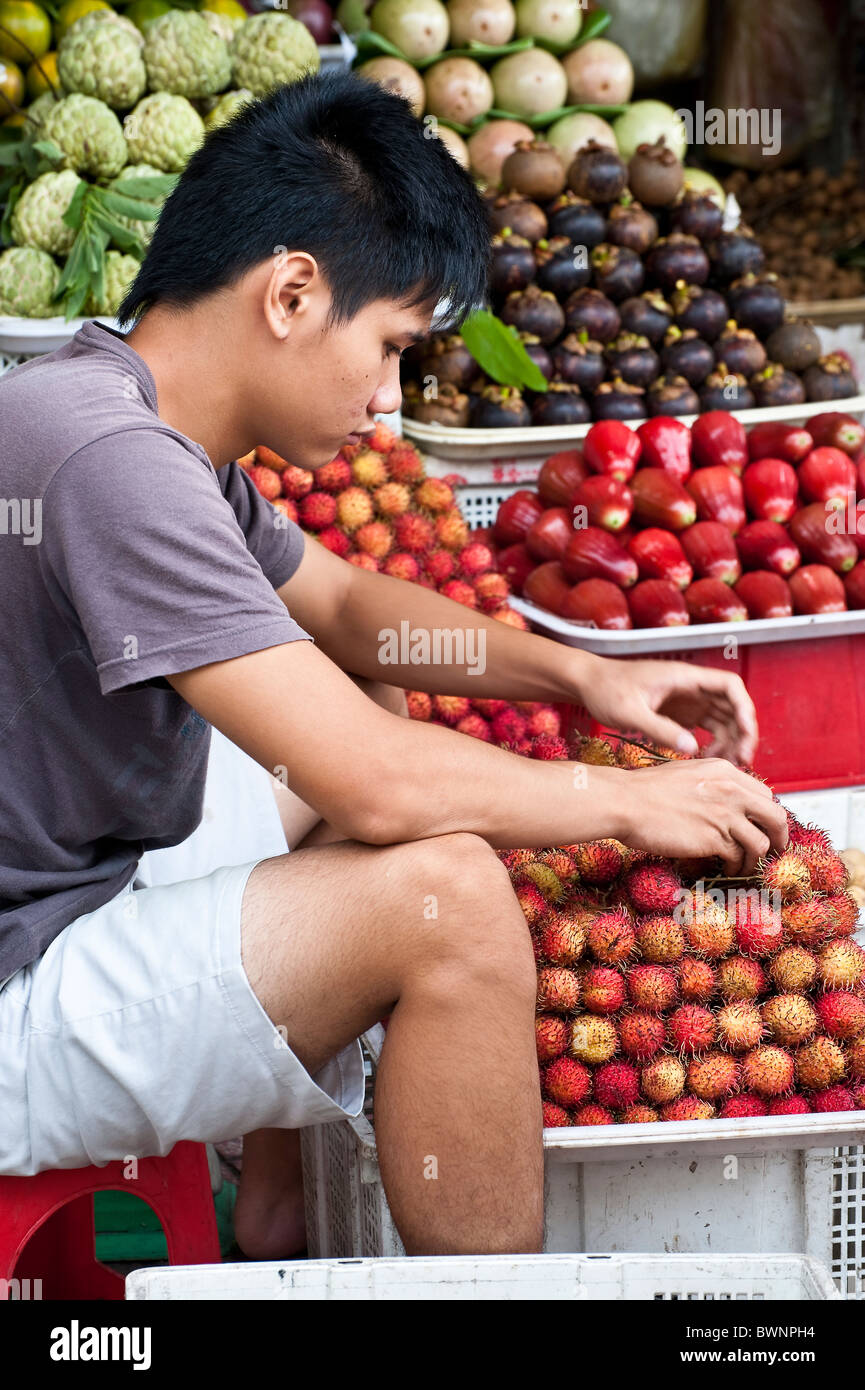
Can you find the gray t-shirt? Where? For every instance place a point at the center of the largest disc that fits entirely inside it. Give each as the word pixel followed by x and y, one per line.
pixel 124 556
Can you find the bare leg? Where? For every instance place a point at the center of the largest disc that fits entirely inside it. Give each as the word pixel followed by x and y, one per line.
pixel 335 937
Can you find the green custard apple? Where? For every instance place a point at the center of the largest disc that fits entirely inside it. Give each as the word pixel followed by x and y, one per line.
pixel 184 56
pixel 28 282
pixel 103 60
pixel 37 219
pixel 163 130
pixel 227 106
pixel 89 134
pixel 270 49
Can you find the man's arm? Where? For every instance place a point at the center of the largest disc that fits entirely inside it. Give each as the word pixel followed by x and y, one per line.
pixel 382 779
pixel 347 609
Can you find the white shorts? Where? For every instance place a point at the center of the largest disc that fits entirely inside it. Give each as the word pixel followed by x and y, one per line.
pixel 138 1027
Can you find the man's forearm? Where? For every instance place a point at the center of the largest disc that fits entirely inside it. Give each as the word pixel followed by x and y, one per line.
pixel 416 638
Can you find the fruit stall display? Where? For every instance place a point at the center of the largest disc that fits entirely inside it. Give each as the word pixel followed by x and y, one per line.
pixel 115 111
pixel 665 526
pixel 812 226
pixel 668 992
pixel 487 75
pixel 628 298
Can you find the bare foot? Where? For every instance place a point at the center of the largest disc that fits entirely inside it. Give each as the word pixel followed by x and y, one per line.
pixel 268 1215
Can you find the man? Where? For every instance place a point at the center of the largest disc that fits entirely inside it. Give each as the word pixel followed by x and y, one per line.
pixel 305 246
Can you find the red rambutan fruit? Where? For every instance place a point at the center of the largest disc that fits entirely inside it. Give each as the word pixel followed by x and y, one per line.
pixel 617 1085
pixel 841 964
pixel 740 1026
pixel 652 987
pixel 653 886
pixel 552 1035
pixel 401 565
pixel 841 1014
pixel 788 875
pixel 451 530
pixel 599 862
pixel 743 1107
pixel 593 1115
pixel 794 969
pixel 767 1070
pixel 450 708
pixel 511 617
pixel 297 482
pixel 368 469
pixel 287 507
pixel 419 704
pixel 545 720
pixel 691 1029
pixel 642 1034
pixel 832 1099
pixel 687 1108
pixel 697 980
pixel 404 463
pixel 440 565
pixel 317 510
pixel 490 708
pixel 508 726
pixel 375 538
pixel 435 495
pixel 475 726
pixel 827 869
pixel 856 1058
pixel 639 1115
pixel 354 508
pixel 558 989
pixel 789 1105
pixel 567 1082
pixel 845 910
pixel 335 540
pixel 611 938
pixel 364 562
pixel 661 940
pixel 819 1063
pixel 475 559
pixel 413 533
pixel 460 591
pixel 266 481
pixel 492 591
pixel 740 978
pixel 534 906
pixel 759 928
pixel 563 938
pixel 809 924
pixel 603 990
pixel 713 1076
pixel 554 1116
pixel 333 476
pixel 710 933
pixel 392 499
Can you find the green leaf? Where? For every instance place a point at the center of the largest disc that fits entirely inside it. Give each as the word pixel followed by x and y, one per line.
pixel 597 22
pixel 49 150
pixel 12 192
pixel 121 206
pixel 369 44
pixel 499 351
pixel 149 186
pixel 481 52
pixel 74 214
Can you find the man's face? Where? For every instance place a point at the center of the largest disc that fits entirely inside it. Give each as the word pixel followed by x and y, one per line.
pixel 327 383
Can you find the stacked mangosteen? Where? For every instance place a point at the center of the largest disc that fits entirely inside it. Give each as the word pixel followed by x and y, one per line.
pixel 630 297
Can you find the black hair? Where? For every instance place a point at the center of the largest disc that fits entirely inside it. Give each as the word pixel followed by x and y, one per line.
pixel 336 166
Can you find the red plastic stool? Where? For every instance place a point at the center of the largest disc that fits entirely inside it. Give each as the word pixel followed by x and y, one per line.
pixel 47 1224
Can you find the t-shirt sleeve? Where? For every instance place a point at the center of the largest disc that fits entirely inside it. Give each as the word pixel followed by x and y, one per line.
pixel 276 542
pixel 141 548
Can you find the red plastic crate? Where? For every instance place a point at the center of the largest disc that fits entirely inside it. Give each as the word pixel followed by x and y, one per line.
pixel 810 699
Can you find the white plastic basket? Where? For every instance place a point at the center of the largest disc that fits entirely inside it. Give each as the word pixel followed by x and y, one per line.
pixel 504 1278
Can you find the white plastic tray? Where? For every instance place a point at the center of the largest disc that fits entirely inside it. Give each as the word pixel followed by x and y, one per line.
pixel 471 445
pixel 504 1278
pixel 640 641
pixel 31 336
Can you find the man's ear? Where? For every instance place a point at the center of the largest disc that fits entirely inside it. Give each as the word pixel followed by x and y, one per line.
pixel 287 289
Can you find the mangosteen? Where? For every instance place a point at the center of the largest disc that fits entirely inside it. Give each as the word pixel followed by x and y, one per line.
pixel 560 404
pixel 523 216
pixel 594 312
pixel 579 359
pixel 513 265
pixel 655 175
pixel 741 349
pixel 701 309
pixel 756 302
pixel 449 407
pixel 630 225
pixel 578 219
pixel 538 353
pixel 733 254
pixel 685 354
pixel 632 357
pixel 795 345
pixel 618 271
pixel 597 173
pixel 774 385
pixel 561 266
pixel 534 310
pixel 829 379
pixel 535 169
pixel 617 400
pixel 698 215
pixel 677 257
pixel 672 395
pixel 499 408
pixel 448 359
pixel 648 314
pixel 725 390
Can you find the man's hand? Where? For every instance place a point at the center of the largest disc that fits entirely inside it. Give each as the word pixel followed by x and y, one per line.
pixel 700 809
pixel 665 699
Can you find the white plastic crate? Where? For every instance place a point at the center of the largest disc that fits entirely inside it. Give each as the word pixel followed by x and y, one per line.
pixel 503 1278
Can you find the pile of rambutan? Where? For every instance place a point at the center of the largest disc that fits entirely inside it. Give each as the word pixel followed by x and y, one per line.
pixel 374 506
pixel 669 992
